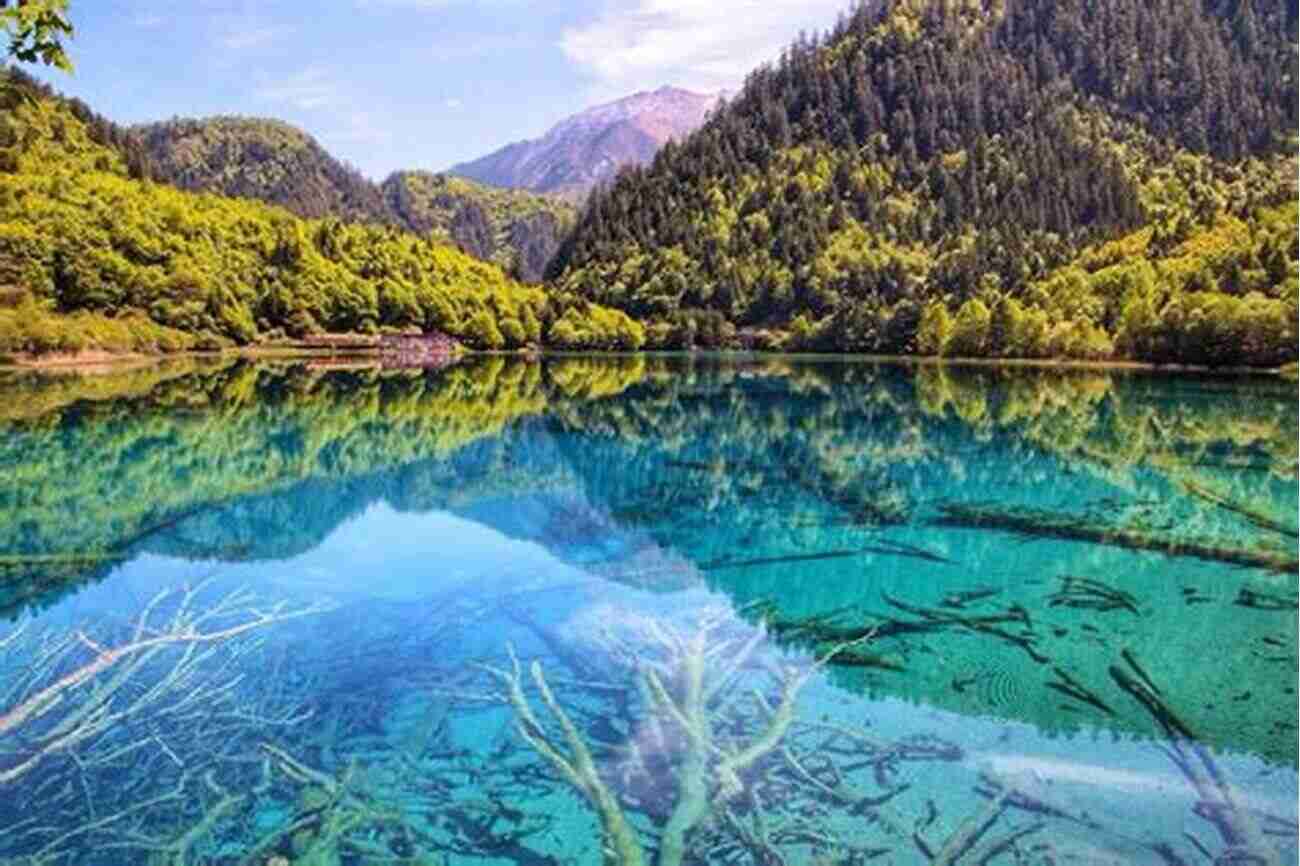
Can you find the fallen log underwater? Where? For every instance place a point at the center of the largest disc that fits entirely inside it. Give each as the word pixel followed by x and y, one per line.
pixel 1046 524
pixel 885 548
pixel 1251 514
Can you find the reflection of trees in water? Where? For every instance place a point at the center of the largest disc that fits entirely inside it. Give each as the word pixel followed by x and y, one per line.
pixel 864 486
pixel 714 445
pixel 141 449
pixel 803 458
pixel 159 458
pixel 808 485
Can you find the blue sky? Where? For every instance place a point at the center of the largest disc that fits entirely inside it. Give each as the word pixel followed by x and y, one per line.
pixel 388 84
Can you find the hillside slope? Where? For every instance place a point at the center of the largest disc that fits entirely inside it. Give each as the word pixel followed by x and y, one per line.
pixel 280 164
pixel 1029 178
pixel 263 159
pixel 519 231
pixel 93 259
pixel 590 147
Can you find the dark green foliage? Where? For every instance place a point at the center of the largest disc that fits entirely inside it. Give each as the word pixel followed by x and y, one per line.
pixel 517 230
pixel 961 153
pixel 262 159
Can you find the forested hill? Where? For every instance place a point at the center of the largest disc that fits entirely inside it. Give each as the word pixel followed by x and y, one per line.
pixel 94 256
pixel 263 159
pixel 280 164
pixel 1030 178
pixel 515 229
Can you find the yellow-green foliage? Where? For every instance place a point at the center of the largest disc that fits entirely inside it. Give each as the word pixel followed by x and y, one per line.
pixel 1217 242
pixel 134 449
pixel 33 328
pixel 968 153
pixel 77 236
pixel 498 221
pixel 1211 279
pixel 1223 292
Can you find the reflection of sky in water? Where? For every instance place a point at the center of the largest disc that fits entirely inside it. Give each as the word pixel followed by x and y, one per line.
pixel 729 516
pixel 418 558
pixel 409 556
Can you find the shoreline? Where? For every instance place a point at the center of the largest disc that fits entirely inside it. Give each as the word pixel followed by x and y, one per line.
pixel 95 362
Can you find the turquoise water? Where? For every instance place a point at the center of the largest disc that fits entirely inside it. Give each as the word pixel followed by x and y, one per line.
pixel 646 610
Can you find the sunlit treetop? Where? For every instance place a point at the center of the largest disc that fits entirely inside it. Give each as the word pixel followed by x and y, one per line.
pixel 36 30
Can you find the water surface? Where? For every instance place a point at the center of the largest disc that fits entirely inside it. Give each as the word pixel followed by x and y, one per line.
pixel 646 610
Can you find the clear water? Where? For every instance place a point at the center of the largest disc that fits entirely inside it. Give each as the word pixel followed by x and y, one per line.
pixel 646 610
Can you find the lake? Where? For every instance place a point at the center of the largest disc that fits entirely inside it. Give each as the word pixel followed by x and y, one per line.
pixel 646 610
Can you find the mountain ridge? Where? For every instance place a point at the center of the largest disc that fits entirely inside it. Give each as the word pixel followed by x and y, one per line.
pixel 589 147
pixel 95 257
pixel 263 158
pixel 278 163
pixel 1087 179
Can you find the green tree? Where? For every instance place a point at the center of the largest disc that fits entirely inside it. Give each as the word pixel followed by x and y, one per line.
pixel 970 330
pixel 36 30
pixel 935 330
pixel 483 331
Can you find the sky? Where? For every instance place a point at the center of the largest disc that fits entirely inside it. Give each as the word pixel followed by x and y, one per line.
pixel 407 84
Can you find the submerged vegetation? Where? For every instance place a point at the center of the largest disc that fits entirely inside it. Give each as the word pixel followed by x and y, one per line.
pixel 385 729
pixel 741 476
pixel 691 739
pixel 678 610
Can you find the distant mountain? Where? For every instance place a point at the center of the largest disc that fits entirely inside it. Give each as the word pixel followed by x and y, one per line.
pixel 590 147
pixel 263 159
pixel 515 229
pixel 280 164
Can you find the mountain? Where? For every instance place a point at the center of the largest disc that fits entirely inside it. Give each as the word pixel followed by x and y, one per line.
pixel 263 159
pixel 92 258
pixel 592 146
pixel 1096 179
pixel 277 163
pixel 517 230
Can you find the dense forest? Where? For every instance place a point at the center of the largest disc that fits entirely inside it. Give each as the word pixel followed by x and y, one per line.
pixel 1016 178
pixel 1103 180
pixel 280 164
pixel 518 230
pixel 262 159
pixel 92 257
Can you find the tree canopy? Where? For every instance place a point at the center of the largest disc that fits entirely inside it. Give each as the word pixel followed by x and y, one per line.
pixel 36 30
pixel 91 257
pixel 957 176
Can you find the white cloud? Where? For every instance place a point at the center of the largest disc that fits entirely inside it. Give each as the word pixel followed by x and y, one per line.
pixel 308 89
pixel 701 44
pixel 454 104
